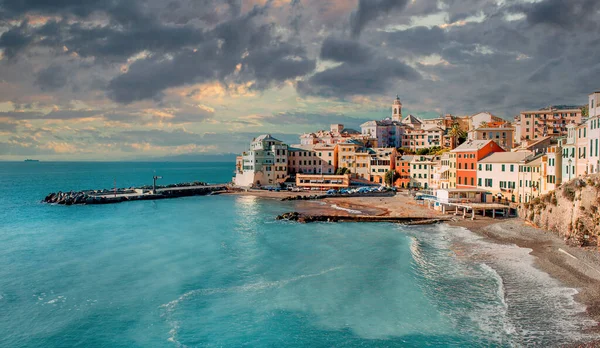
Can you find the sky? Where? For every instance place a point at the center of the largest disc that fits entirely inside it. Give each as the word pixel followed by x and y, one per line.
pixel 134 79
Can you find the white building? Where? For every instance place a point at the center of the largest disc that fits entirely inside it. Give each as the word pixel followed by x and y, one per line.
pixel 483 118
pixel 264 164
pixel 498 173
pixel 421 170
pixel 593 124
pixel 530 179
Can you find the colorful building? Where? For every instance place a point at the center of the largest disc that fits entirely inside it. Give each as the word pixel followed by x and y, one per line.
pixel 467 156
pixel 502 135
pixel 498 173
pixel 382 161
pixel 403 177
pixel 530 179
pixel 593 126
pixel 551 121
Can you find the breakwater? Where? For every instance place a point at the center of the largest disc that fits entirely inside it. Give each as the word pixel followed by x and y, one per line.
pixel 133 194
pixel 407 220
pixel 323 196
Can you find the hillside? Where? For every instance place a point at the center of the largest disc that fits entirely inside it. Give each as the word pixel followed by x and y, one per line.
pixel 571 211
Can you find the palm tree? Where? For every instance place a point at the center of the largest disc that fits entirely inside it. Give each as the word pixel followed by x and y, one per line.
pixel 390 177
pixel 456 133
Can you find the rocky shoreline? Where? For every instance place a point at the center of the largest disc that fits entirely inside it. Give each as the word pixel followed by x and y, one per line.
pixel 306 218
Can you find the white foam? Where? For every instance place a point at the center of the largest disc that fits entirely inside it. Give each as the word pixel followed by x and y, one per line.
pixel 537 306
pixel 258 286
pixel 351 211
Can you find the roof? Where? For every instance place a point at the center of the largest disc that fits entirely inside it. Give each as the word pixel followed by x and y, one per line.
pixel 411 119
pixel 406 158
pixel 265 137
pixel 471 145
pixel 506 157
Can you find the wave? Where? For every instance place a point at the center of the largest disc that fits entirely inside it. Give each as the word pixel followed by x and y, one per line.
pixel 524 303
pixel 351 211
pixel 170 307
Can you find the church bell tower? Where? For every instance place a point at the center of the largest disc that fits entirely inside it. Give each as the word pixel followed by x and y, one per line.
pixel 397 110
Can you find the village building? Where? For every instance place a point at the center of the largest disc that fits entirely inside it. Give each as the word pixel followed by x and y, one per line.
pixel 467 156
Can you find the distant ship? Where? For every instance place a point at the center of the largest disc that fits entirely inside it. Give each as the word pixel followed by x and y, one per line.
pixel 31 160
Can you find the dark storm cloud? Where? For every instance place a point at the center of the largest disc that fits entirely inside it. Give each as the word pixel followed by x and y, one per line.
pixel 369 10
pixel 343 50
pixel 372 78
pixel 82 8
pixel 14 40
pixel 277 63
pixel 563 13
pixel 263 56
pixel 417 40
pixel 51 78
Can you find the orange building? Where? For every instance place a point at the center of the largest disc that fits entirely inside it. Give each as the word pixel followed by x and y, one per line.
pixel 467 156
pixel 403 171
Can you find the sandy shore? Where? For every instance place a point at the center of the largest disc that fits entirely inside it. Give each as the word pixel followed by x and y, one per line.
pixel 574 267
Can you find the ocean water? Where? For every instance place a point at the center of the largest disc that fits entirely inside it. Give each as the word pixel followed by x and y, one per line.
pixel 219 271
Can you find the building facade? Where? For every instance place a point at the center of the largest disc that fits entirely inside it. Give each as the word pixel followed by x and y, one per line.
pixel 498 173
pixel 467 156
pixel 551 121
pixel 266 163
pixel 593 126
pixel 502 135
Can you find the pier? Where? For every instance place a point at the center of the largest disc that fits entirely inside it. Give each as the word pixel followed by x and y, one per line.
pixel 465 209
pixel 153 192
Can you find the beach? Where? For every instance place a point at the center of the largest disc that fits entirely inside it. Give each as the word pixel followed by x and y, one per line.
pixel 574 267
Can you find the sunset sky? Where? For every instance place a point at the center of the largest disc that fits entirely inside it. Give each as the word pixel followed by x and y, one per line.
pixel 131 79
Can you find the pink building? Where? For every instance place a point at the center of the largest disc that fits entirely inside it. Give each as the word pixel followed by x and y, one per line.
pixel 551 121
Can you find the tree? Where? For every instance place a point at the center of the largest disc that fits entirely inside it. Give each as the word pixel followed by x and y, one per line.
pixel 585 111
pixel 342 171
pixel 457 134
pixel 390 177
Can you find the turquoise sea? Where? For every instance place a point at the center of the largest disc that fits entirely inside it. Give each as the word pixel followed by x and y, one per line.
pixel 219 271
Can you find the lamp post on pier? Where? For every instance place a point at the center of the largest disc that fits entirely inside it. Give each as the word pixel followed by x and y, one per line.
pixel 154 178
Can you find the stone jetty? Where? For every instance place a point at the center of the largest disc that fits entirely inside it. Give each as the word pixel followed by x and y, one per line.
pixel 133 194
pixel 406 220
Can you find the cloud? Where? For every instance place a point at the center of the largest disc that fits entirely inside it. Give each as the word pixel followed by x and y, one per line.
pixel 417 41
pixel 52 77
pixel 240 45
pixel 563 13
pixel 304 118
pixel 343 50
pixel 369 10
pixel 374 77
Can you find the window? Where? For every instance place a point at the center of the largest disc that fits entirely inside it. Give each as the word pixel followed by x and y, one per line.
pixel 479 166
pixel 472 181
pixel 478 181
pixel 488 182
pixel 503 167
pixel 512 168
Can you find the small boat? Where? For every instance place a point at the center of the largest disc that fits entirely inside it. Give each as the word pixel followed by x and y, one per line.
pixel 31 160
